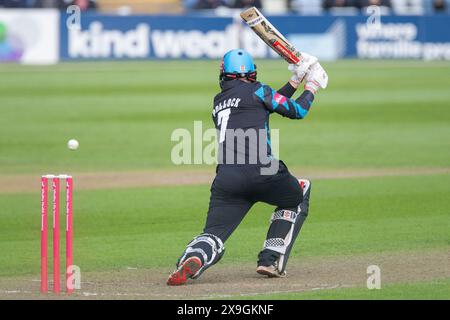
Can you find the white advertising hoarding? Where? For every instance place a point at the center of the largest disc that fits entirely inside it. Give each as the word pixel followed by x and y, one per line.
pixel 29 36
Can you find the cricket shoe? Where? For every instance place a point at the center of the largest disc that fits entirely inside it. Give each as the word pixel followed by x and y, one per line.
pixel 185 271
pixel 270 271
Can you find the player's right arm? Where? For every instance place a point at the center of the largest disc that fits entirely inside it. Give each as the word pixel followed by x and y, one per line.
pixel 288 89
pixel 315 78
pixel 287 107
pixel 299 73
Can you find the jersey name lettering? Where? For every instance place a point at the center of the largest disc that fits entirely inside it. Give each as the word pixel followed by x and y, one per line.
pixel 229 103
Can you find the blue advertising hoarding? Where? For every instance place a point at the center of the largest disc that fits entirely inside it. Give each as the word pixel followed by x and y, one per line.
pixel 201 37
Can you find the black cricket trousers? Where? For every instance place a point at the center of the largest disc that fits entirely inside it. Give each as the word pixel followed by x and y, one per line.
pixel 237 187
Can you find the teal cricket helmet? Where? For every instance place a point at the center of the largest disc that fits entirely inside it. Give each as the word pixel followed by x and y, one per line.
pixel 238 63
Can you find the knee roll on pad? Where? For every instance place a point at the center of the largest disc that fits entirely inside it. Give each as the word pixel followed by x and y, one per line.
pixel 208 246
pixel 303 207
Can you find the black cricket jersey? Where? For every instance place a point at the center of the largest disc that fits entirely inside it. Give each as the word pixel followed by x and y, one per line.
pixel 241 116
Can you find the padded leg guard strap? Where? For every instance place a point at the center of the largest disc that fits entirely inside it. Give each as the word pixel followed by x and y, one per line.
pixel 207 247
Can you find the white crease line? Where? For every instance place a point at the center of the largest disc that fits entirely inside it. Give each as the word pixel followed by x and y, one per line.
pixel 119 294
pixel 16 292
pixel 325 287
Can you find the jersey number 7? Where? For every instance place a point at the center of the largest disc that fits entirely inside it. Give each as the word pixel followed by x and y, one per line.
pixel 222 121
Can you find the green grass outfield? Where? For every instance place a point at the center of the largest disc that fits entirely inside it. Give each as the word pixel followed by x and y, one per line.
pixel 375 115
pixel 434 290
pixel 118 228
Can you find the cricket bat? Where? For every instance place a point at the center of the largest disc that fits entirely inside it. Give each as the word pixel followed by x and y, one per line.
pixel 270 35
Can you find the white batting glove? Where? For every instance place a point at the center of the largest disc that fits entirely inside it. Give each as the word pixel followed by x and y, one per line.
pixel 316 78
pixel 299 70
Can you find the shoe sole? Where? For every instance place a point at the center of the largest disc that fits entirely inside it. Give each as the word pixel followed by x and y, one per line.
pixel 266 272
pixel 186 271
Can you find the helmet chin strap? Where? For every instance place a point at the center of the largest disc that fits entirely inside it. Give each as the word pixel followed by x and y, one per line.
pixel 251 76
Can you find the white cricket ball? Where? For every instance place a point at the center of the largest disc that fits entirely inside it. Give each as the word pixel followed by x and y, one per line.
pixel 72 144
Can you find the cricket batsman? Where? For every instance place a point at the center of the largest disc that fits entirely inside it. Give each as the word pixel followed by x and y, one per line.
pixel 244 105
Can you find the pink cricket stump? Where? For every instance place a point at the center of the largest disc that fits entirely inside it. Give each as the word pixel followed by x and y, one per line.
pixel 56 272
pixel 69 234
pixel 44 210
